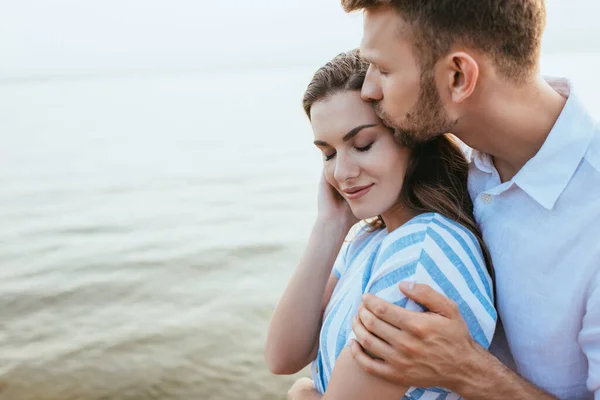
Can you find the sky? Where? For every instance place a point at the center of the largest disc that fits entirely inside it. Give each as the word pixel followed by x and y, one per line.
pixel 61 37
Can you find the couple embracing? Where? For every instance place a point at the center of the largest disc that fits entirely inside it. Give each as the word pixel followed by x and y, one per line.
pixel 437 267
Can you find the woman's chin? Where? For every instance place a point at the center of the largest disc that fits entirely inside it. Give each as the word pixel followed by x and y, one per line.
pixel 364 214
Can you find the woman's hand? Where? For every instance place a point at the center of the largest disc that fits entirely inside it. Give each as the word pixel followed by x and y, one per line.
pixel 332 207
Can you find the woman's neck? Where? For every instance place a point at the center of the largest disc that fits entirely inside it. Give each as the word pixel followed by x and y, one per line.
pixel 397 216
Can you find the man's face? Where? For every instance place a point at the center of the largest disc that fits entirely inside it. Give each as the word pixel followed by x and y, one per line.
pixel 405 96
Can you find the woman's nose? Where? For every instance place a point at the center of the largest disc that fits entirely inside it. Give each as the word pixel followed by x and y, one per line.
pixel 345 168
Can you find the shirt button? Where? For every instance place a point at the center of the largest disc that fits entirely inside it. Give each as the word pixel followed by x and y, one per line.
pixel 487 199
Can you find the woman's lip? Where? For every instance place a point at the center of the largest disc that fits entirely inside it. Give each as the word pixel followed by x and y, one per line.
pixel 360 193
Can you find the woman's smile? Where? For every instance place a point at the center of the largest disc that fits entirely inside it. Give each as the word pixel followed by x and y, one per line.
pixel 357 192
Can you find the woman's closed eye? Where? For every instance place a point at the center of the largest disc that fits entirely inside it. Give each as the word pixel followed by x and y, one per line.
pixel 359 149
pixel 365 148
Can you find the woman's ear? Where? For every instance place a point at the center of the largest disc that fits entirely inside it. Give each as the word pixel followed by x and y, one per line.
pixel 462 72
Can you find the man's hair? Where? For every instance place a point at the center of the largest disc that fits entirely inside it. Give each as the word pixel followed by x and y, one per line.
pixel 509 31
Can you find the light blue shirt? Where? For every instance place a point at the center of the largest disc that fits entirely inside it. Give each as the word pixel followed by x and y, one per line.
pixel 430 249
pixel 543 231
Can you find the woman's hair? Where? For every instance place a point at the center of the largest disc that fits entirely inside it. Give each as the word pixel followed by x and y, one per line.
pixel 437 173
pixel 346 72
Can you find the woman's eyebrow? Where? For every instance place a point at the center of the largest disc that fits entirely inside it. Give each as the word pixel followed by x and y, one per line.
pixel 353 132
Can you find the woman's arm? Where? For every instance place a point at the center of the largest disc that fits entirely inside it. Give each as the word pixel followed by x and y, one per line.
pixel 294 331
pixel 350 382
pixel 293 336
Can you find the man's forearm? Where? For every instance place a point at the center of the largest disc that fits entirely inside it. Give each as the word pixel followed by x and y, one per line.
pixel 486 378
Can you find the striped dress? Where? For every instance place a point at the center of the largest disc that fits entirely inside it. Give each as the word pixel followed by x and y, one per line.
pixel 430 249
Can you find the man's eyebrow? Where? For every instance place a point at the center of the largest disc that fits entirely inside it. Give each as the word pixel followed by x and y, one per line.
pixel 365 58
pixel 353 132
pixel 369 56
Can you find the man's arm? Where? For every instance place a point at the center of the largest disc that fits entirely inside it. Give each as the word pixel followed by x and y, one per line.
pixel 432 349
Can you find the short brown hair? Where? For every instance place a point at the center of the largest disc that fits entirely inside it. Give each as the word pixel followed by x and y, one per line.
pixel 436 177
pixel 510 31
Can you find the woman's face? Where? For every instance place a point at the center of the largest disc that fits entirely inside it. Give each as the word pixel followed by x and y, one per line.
pixel 362 161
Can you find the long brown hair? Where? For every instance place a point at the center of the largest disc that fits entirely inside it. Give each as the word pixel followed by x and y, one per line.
pixel 437 173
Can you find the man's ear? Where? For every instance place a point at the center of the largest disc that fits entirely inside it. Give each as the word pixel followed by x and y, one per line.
pixel 462 72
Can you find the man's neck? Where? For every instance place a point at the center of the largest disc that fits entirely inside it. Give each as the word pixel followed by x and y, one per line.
pixel 511 124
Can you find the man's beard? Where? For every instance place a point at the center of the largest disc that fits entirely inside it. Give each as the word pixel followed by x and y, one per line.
pixel 427 119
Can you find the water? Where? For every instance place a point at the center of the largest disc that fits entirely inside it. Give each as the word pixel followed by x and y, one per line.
pixel 148 226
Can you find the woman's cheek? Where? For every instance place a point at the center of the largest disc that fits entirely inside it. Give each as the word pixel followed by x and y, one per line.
pixel 373 159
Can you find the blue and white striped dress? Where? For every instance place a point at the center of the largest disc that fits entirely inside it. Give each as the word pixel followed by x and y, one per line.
pixel 430 249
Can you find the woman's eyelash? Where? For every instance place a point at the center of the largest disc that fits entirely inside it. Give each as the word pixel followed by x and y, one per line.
pixel 366 148
pixel 360 149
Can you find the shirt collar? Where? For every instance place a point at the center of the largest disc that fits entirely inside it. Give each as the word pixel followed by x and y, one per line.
pixel 547 174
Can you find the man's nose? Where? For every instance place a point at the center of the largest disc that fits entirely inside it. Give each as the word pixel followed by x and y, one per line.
pixel 371 90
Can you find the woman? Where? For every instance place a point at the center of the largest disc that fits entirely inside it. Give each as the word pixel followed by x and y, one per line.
pixel 417 226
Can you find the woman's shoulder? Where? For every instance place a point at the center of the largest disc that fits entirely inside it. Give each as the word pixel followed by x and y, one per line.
pixel 435 250
pixel 434 224
pixel 451 250
pixel 426 234
pixel 453 237
pixel 433 233
pixel 363 237
pixel 362 231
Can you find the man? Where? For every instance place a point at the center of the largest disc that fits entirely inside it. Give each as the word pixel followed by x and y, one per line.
pixel 472 68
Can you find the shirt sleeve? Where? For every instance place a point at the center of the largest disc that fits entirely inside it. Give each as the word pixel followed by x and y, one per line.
pixel 589 336
pixel 339 266
pixel 354 237
pixel 450 266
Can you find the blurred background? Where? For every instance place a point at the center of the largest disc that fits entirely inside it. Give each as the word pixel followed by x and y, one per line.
pixel 158 184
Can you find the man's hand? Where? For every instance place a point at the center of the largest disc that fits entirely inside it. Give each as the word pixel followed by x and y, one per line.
pixel 303 389
pixel 431 349
pixel 416 349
